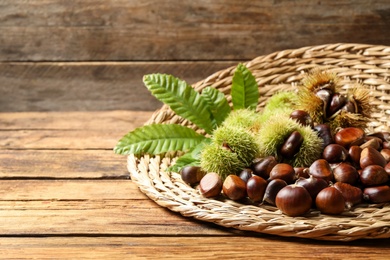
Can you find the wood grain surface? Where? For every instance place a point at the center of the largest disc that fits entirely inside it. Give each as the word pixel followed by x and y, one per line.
pixel 71 86
pixel 59 200
pixel 91 55
pixel 97 30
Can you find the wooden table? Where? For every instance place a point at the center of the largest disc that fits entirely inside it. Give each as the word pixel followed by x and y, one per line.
pixel 65 194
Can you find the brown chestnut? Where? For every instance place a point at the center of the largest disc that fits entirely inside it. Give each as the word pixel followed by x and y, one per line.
pixel 273 187
pixel 263 166
pixel 325 133
pixel 373 175
pixel 345 172
pixel 234 187
pixel 313 185
pixel 386 154
pixel 293 200
pixel 349 136
pixel 246 174
pixel 283 171
pixel 335 153
pixel 325 95
pixel 302 117
pixel 320 168
pixel 336 103
pixel 384 136
pixel 191 174
pixel 330 201
pixel 377 194
pixel 352 194
pixel 371 156
pixel 387 168
pixel 291 145
pixel 354 154
pixel 301 172
pixel 371 142
pixel 210 185
pixel 255 188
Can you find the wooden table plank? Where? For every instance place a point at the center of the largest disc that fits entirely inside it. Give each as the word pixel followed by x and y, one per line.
pixel 221 247
pixel 60 164
pixel 90 86
pixel 68 190
pixel 124 120
pixel 67 130
pixel 97 207
pixel 185 30
pixel 96 217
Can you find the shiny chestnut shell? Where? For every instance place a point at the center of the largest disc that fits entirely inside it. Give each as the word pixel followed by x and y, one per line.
pixel 293 200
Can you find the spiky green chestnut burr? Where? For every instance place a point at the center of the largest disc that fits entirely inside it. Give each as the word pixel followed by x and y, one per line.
pixel 221 160
pixel 241 118
pixel 282 102
pixel 275 132
pixel 239 140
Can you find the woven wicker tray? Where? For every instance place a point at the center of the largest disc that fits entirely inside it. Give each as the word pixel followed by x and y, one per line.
pixel 368 64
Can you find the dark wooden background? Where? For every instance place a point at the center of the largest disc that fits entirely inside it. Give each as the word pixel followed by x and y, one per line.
pixel 88 55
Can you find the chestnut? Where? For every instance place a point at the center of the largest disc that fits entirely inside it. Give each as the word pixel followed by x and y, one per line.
pixel 330 201
pixel 301 172
pixel 384 136
pixel 255 188
pixel 246 174
pixel 263 166
pixel 354 154
pixel 377 194
pixel 291 145
pixel 352 194
pixel 191 174
pixel 313 185
pixel 345 172
pixel 335 153
pixel 210 185
pixel 325 95
pixel 349 136
pixel 283 171
pixel 272 189
pixel 321 168
pixel 386 154
pixel 293 200
pixel 336 103
pixel 387 168
pixel 325 133
pixel 302 117
pixel 373 175
pixel 371 156
pixel 373 142
pixel 234 187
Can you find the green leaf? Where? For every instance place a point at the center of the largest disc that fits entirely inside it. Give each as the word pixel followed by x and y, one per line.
pixel 181 98
pixel 191 158
pixel 158 138
pixel 183 161
pixel 245 91
pixel 218 104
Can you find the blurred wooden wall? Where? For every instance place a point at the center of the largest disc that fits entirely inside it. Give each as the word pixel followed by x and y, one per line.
pixel 76 55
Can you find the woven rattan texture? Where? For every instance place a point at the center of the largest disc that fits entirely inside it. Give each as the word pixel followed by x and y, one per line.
pixel 367 64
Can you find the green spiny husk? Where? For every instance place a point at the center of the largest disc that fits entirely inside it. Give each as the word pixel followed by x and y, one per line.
pixel 240 140
pixel 216 158
pixel 277 129
pixel 241 118
pixel 283 102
